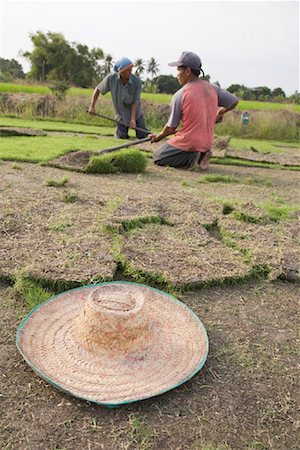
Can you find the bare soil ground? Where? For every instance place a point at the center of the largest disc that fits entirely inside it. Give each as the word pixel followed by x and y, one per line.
pixel 245 397
pixel 161 225
pixel 63 233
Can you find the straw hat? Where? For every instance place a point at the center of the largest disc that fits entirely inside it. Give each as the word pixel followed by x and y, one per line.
pixel 113 343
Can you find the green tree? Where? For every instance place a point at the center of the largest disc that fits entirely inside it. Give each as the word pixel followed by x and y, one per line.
pixel 55 59
pixel 262 93
pixel 106 66
pixel 51 58
pixel 10 69
pixel 235 88
pixel 152 67
pixel 166 84
pixel 139 67
pixel 295 98
pixel 59 89
pixel 278 92
pixel 85 65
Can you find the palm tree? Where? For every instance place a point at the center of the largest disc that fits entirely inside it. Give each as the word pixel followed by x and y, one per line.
pixel 139 67
pixel 108 64
pixel 152 67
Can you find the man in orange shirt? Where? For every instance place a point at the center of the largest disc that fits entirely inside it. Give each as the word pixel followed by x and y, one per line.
pixel 198 105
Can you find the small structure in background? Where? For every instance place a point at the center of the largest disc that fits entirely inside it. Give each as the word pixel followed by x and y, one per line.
pixel 245 118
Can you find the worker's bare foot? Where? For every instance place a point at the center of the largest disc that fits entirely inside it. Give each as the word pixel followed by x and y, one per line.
pixel 196 163
pixel 204 163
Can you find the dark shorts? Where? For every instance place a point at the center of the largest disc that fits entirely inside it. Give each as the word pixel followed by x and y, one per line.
pixel 122 130
pixel 167 155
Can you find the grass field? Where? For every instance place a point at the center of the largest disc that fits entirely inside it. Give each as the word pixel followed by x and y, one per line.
pixel 153 98
pixel 259 145
pixel 41 149
pixel 54 125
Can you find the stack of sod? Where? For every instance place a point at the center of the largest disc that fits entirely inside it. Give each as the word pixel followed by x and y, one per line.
pixel 121 161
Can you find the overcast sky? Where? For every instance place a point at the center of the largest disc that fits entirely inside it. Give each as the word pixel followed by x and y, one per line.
pixel 253 43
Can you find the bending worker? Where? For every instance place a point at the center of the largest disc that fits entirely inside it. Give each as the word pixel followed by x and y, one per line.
pixel 125 91
pixel 198 105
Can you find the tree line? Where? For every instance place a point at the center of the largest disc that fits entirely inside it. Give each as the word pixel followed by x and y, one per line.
pixel 55 60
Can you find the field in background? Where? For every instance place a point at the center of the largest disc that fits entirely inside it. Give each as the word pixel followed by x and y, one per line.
pixel 153 98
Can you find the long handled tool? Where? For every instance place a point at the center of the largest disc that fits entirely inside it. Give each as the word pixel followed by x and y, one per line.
pixel 121 123
pixel 118 147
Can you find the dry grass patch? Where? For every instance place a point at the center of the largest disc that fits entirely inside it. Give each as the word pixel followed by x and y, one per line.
pixel 180 255
pixel 270 245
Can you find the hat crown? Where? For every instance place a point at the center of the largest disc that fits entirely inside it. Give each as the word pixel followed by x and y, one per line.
pixel 188 59
pixel 111 300
pixel 112 319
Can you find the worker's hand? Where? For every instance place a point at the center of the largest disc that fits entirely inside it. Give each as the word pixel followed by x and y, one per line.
pixel 220 113
pixel 132 123
pixel 91 110
pixel 154 137
pixel 219 118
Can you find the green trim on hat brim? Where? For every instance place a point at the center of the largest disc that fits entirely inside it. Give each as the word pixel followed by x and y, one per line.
pixel 110 405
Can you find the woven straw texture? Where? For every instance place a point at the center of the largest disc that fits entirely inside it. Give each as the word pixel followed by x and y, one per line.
pixel 113 343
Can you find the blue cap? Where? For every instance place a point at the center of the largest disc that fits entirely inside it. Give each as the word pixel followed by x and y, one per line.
pixel 122 64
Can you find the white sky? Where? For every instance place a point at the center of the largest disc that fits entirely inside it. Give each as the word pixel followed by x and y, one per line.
pixel 253 43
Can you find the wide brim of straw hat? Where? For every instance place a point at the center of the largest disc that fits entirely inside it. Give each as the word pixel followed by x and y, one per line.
pixel 177 349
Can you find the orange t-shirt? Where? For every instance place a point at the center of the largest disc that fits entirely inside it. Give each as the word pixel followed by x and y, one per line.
pixel 196 105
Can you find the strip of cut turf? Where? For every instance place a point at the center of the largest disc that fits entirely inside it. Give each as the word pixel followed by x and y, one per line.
pixel 245 162
pixel 261 146
pixel 46 148
pixel 56 126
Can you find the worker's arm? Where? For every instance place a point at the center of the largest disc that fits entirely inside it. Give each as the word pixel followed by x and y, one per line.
pixel 102 88
pixel 132 123
pixel 226 102
pixel 222 110
pixel 174 118
pixel 95 96
pixel 164 133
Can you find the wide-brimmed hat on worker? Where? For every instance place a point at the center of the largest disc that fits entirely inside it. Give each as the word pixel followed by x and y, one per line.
pixel 123 64
pixel 113 343
pixel 188 59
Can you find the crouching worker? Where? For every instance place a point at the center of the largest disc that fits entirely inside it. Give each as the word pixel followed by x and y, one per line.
pixel 198 105
pixel 125 91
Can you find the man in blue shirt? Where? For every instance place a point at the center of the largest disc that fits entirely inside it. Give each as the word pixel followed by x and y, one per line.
pixel 125 91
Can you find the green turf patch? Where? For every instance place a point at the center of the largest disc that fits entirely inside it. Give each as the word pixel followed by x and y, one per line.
pixel 25 88
pixel 249 218
pixel 230 179
pixel 246 163
pixel 261 146
pixel 57 183
pixel 69 198
pixel 31 291
pixel 41 149
pixel 245 105
pixel 218 179
pixel 120 161
pixel 283 212
pixel 54 125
